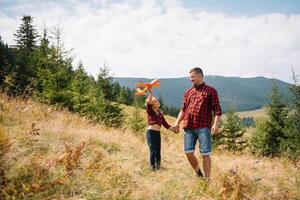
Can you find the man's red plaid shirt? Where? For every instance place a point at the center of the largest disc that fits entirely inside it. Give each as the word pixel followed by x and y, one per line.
pixel 199 103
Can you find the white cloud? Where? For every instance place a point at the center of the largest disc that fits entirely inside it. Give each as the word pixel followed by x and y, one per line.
pixel 148 39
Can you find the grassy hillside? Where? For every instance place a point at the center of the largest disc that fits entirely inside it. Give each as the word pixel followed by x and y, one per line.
pixel 53 154
pixel 253 113
pixel 242 93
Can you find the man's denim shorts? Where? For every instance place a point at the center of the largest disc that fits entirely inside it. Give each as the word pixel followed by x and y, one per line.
pixel 202 135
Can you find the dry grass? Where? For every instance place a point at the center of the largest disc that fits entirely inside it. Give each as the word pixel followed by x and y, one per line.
pixel 53 154
pixel 253 113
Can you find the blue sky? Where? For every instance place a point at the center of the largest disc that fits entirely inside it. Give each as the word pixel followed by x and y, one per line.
pixel 151 38
pixel 234 7
pixel 246 7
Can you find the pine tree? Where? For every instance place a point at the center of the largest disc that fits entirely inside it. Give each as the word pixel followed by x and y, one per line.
pixel 80 87
pixel 232 132
pixel 273 127
pixel 136 121
pixel 291 145
pixel 112 113
pixel 7 69
pixel 44 44
pixel 116 91
pixel 26 38
pixel 139 101
pixel 105 83
pixel 54 66
pixel 126 96
pixel 162 107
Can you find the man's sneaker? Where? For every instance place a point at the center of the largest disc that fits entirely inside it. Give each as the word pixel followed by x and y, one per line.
pixel 206 179
pixel 199 173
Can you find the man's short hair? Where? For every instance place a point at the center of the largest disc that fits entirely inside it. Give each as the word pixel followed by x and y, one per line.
pixel 197 70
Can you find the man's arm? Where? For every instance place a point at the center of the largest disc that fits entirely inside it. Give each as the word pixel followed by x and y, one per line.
pixel 216 125
pixel 179 119
pixel 217 112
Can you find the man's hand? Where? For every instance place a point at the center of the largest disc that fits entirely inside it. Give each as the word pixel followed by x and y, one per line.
pixel 174 129
pixel 215 129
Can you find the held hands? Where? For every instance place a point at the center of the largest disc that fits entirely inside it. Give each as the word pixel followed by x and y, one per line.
pixel 175 128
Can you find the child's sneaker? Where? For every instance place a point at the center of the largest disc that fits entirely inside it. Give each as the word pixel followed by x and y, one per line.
pixel 158 166
pixel 153 168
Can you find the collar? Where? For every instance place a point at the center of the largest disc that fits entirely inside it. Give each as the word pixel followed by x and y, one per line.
pixel 199 86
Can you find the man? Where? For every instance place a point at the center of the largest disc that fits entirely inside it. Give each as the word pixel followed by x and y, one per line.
pixel 198 104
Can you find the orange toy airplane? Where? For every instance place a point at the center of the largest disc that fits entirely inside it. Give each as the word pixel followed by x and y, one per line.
pixel 139 91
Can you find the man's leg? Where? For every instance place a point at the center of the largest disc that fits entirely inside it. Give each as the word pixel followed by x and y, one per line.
pixel 205 149
pixel 193 161
pixel 189 147
pixel 206 165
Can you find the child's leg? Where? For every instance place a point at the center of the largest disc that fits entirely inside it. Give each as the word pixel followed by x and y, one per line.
pixel 151 145
pixel 158 153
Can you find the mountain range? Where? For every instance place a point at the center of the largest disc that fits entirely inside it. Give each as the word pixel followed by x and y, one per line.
pixel 241 93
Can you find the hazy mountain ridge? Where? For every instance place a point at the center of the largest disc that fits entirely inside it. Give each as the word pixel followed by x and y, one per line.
pixel 242 93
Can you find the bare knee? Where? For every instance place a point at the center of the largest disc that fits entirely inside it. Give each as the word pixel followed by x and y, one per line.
pixel 190 155
pixel 206 157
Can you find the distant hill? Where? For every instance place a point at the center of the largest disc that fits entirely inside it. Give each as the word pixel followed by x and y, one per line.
pixel 253 113
pixel 242 93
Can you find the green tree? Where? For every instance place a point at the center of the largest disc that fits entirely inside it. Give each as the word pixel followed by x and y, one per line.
pixel 290 146
pixel 163 106
pixel 26 38
pixel 80 89
pixel 112 115
pixel 272 132
pixel 7 69
pixel 139 101
pixel 136 121
pixel 105 83
pixel 126 96
pixel 248 122
pixel 258 141
pixel 232 132
pixel 54 71
pixel 116 91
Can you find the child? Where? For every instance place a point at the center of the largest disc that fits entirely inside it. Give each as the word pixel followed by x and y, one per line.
pixel 155 120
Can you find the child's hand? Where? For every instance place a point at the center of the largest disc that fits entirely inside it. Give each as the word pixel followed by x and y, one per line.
pixel 174 129
pixel 149 88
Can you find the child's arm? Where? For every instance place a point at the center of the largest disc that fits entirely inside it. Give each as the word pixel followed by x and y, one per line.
pixel 149 103
pixel 149 98
pixel 165 123
pixel 168 126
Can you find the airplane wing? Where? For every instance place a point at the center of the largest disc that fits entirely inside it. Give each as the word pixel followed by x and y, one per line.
pixel 140 92
pixel 141 84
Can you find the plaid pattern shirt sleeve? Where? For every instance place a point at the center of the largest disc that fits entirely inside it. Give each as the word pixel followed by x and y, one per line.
pixel 150 110
pixel 215 103
pixel 184 102
pixel 198 105
pixel 164 122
